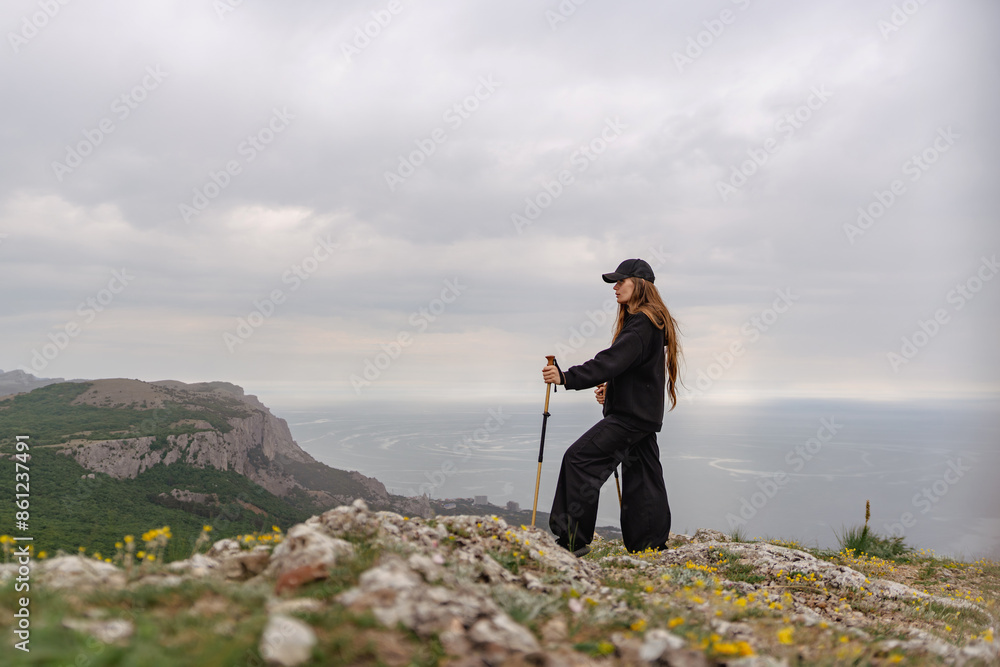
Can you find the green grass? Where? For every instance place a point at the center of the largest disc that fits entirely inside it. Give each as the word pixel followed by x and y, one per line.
pixel 165 635
pixel 864 541
pixel 525 606
pixel 737 534
pixel 595 649
pixel 510 560
pixel 730 567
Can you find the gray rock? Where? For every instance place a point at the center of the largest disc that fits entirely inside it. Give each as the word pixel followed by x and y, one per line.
pixel 157 580
pixel 503 631
pixel 79 573
pixel 396 593
pixel 306 544
pixel 222 548
pixel 9 570
pixel 286 641
pixel 656 642
pixel 246 564
pixel 198 565
pixel 709 535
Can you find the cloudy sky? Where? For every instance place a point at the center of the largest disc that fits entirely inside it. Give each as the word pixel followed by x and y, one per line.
pixel 367 200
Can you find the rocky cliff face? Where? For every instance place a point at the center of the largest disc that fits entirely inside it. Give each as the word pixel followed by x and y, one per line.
pixel 258 445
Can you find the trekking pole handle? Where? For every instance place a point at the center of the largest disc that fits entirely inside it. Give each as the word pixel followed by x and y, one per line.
pixel 553 362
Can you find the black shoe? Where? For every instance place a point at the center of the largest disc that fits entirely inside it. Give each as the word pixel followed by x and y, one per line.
pixel 582 551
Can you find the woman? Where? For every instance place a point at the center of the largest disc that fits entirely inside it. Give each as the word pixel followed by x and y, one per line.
pixel 630 377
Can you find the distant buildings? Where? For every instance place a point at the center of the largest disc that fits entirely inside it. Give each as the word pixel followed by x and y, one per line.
pixel 481 500
pixel 513 507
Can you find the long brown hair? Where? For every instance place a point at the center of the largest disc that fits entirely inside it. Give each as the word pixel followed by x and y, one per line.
pixel 646 299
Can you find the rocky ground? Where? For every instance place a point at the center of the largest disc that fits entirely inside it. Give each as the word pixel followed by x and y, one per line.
pixel 358 587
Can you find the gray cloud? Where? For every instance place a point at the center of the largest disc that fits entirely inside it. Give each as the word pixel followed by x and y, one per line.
pixel 654 189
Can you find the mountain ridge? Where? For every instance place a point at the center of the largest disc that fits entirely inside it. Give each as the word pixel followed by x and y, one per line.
pixel 161 452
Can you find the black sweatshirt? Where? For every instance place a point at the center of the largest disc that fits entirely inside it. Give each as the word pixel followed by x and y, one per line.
pixel 634 368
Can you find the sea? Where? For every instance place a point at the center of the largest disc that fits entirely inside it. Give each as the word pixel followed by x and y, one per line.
pixel 798 470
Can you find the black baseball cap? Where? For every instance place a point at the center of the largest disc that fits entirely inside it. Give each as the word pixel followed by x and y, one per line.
pixel 631 268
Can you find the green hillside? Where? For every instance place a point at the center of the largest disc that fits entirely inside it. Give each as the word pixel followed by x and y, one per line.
pixel 69 510
pixel 47 415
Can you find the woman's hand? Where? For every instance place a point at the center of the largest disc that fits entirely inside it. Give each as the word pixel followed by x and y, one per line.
pixel 599 393
pixel 551 375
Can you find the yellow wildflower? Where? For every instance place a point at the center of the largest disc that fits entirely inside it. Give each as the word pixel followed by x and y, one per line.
pixel 785 635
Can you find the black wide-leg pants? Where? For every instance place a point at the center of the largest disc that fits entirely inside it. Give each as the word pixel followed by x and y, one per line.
pixel 586 466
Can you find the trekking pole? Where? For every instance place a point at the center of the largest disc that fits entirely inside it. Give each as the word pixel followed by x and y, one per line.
pixel 619 488
pixel 541 445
